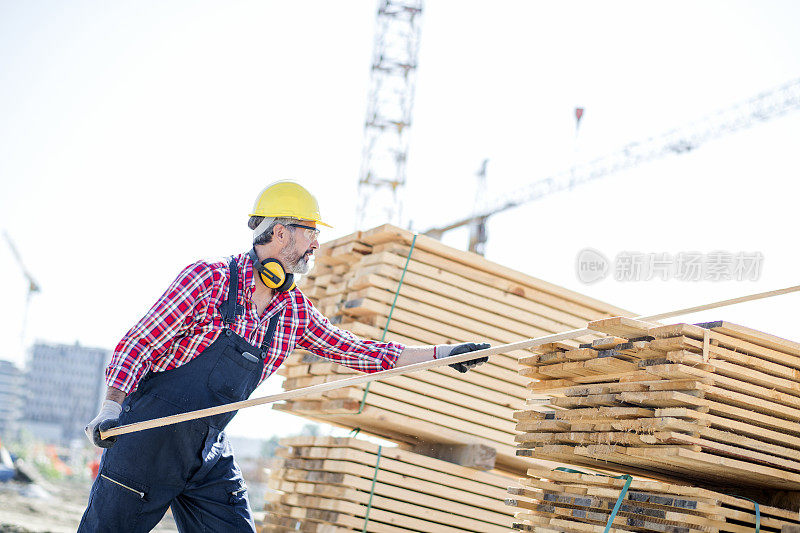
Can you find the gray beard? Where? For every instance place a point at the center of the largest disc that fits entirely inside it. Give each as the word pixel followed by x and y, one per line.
pixel 298 264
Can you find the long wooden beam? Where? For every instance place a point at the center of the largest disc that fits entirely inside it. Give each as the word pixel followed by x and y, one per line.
pixel 426 365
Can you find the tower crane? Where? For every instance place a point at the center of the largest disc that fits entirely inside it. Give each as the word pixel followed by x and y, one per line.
pixel 33 287
pixel 760 108
pixel 389 109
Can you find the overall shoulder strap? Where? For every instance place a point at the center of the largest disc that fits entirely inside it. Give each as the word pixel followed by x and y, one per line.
pixel 230 308
pixel 271 327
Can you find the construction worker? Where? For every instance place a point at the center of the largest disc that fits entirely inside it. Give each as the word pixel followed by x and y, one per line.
pixel 218 331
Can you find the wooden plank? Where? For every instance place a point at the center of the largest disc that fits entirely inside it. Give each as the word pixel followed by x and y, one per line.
pixel 735 377
pixel 494 478
pixel 433 406
pixel 695 503
pixel 359 302
pixel 398 426
pixel 725 341
pixel 353 463
pixel 727 424
pixel 475 456
pixel 438 392
pixel 621 326
pixel 606 343
pixel 475 377
pixel 352 515
pixel 552 358
pixel 718 352
pixel 424 488
pixel 725 467
pixel 398 499
pixel 678 399
pixel 427 318
pixel 753 336
pixel 377 286
pixel 491 287
pixel 424 243
pixel 387 277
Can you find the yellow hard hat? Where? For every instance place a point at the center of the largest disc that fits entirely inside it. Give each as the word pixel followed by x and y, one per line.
pixel 287 199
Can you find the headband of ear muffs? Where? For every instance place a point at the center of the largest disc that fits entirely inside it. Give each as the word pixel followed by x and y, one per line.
pixel 272 273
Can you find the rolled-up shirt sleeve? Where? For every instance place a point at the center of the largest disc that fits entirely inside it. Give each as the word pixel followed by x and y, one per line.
pixel 326 340
pixel 169 318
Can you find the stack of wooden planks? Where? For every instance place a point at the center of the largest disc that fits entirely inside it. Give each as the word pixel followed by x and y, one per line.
pixel 582 502
pixel 336 485
pixel 446 296
pixel 715 404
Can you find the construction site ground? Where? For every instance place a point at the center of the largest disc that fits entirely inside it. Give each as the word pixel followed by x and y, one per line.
pixel 54 508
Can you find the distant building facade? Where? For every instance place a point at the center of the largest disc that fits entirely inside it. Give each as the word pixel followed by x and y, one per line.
pixel 64 388
pixel 12 398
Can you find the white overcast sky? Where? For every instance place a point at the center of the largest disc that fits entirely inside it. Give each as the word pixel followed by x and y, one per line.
pixel 134 137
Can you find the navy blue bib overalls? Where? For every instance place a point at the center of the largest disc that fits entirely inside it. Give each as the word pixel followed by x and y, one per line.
pixel 187 466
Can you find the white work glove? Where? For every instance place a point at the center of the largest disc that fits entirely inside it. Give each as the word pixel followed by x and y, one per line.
pixel 440 351
pixel 109 413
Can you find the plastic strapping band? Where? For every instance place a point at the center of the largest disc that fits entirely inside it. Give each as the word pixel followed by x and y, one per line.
pixel 389 318
pixel 758 512
pixel 622 494
pixel 372 490
pixel 628 479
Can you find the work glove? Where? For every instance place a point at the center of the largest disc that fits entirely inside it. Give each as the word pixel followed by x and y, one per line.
pixel 440 351
pixel 107 418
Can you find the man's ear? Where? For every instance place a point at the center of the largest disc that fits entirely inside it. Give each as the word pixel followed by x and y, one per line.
pixel 279 232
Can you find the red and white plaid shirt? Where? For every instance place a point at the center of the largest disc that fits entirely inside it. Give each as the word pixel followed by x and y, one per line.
pixel 187 319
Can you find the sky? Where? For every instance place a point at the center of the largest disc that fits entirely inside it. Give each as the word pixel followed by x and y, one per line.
pixel 135 137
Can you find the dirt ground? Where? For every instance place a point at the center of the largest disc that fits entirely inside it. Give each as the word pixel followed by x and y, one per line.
pixel 51 508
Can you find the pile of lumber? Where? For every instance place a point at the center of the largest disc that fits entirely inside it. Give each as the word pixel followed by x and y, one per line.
pixel 713 404
pixel 446 296
pixel 334 485
pixel 583 502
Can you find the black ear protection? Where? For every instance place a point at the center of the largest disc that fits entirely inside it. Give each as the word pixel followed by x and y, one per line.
pixel 272 273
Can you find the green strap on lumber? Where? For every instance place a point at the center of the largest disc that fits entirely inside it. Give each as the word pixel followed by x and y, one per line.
pixel 372 490
pixel 627 485
pixel 389 318
pixel 758 512
pixel 628 479
pixel 622 494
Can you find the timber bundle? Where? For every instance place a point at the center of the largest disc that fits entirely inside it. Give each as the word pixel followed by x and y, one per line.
pixel 345 484
pixel 576 502
pixel 716 405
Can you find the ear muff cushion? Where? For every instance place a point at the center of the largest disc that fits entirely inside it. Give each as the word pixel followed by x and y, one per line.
pixel 272 273
pixel 287 285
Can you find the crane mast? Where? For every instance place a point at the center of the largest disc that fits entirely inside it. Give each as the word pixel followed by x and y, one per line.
pixel 389 109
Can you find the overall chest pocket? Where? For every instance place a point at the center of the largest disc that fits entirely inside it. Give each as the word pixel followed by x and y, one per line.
pixel 235 374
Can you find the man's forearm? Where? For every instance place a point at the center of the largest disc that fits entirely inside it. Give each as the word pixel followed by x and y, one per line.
pixel 115 395
pixel 414 354
pixel 419 354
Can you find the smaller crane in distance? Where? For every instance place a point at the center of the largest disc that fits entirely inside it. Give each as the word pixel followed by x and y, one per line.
pixel 33 287
pixel 760 108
